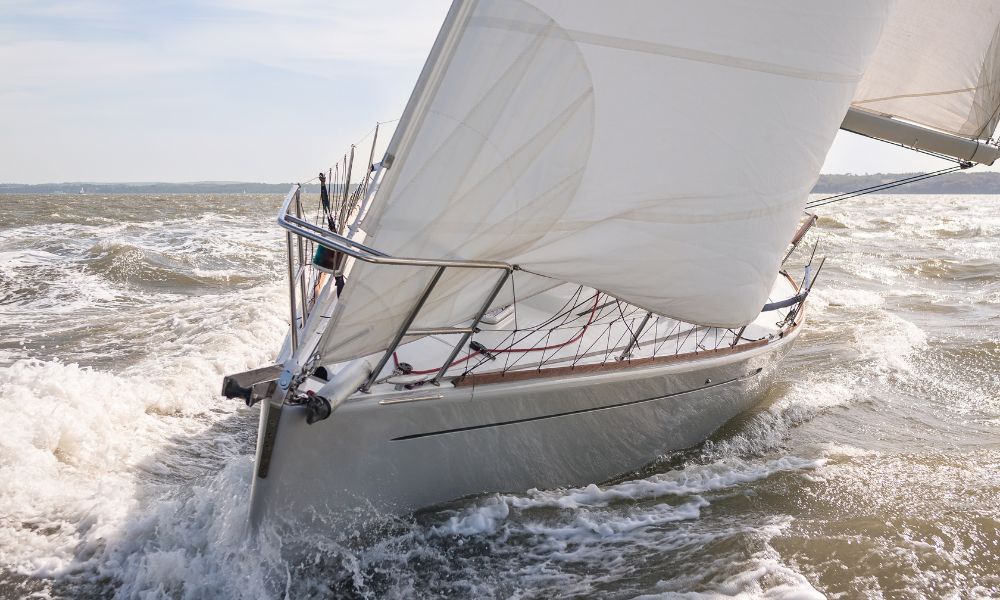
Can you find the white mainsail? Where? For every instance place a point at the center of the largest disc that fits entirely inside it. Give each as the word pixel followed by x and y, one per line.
pixel 938 65
pixel 658 151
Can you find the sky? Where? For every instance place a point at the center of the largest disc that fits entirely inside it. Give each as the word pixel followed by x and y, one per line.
pixel 227 90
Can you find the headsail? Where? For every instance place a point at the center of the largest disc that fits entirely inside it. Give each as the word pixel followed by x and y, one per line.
pixel 937 67
pixel 658 151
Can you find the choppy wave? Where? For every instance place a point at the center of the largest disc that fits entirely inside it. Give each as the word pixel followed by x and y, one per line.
pixel 87 448
pixel 871 468
pixel 695 479
pixel 127 263
pixel 971 270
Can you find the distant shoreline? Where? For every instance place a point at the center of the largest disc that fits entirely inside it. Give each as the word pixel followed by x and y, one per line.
pixel 75 188
pixel 955 183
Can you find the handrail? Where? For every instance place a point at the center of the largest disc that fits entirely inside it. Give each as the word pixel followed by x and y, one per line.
pixel 360 251
pixel 296 225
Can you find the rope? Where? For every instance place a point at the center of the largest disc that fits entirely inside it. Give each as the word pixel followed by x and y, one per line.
pixel 514 350
pixel 885 186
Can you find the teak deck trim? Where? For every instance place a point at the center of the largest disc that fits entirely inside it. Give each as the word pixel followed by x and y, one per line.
pixel 528 374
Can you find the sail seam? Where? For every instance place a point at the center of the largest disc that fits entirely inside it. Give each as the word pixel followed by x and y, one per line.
pixel 920 95
pixel 678 52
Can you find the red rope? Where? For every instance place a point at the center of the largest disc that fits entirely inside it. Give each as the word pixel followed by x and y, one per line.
pixel 471 355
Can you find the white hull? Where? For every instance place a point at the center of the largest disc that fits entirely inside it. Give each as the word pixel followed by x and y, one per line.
pixel 562 387
pixel 394 452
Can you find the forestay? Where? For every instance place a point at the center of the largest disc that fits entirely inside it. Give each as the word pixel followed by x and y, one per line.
pixel 658 151
pixel 938 65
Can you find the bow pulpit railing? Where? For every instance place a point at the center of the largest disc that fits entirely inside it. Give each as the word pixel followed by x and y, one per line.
pixel 301 234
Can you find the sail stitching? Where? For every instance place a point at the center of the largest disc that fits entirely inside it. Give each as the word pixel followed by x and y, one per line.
pixel 678 52
pixel 921 95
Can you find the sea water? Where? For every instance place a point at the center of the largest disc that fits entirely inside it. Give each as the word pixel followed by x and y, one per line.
pixel 871 469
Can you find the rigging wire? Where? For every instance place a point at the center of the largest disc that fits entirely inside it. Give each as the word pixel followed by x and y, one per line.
pixel 991 120
pixel 372 130
pixel 473 354
pixel 885 186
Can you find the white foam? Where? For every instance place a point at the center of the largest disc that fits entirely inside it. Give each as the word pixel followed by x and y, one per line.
pixel 766 430
pixel 846 297
pixel 832 449
pixel 27 258
pixel 692 479
pixel 194 547
pixel 221 274
pixel 485 518
pixel 587 524
pixel 890 343
pixel 489 516
pixel 761 575
pixel 78 441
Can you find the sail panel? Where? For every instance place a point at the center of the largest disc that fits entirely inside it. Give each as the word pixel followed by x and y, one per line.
pixel 658 151
pixel 938 65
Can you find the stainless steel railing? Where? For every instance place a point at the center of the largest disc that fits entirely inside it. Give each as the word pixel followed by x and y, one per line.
pixel 298 230
pixel 335 241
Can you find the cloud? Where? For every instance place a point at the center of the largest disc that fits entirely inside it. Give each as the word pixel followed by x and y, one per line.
pixel 55 64
pixel 222 89
pixel 50 43
pixel 184 90
pixel 317 30
pixel 89 10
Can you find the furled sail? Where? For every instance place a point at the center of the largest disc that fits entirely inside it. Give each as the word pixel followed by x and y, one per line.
pixel 937 66
pixel 658 151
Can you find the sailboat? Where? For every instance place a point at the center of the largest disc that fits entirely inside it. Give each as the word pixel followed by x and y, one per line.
pixel 571 258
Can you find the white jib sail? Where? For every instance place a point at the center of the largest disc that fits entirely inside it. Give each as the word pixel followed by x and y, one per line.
pixel 658 151
pixel 938 65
